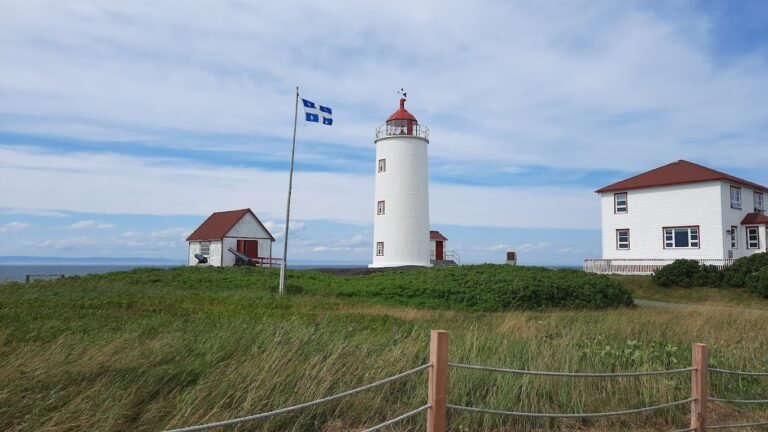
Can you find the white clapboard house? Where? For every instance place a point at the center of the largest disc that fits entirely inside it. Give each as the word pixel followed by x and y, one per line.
pixel 679 210
pixel 239 230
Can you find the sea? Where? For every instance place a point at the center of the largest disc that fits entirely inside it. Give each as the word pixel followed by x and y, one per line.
pixel 18 273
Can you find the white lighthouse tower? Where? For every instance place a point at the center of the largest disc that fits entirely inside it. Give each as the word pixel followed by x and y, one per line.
pixel 401 211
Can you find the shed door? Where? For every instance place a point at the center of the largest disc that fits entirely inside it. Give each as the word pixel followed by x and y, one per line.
pixel 439 251
pixel 248 247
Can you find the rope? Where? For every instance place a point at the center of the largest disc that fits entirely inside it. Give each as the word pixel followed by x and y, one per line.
pixel 397 419
pixel 726 371
pixel 553 415
pixel 300 406
pixel 570 374
pixel 734 426
pixel 737 400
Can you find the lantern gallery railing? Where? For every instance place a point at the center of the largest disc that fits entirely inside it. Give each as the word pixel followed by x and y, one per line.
pixel 415 130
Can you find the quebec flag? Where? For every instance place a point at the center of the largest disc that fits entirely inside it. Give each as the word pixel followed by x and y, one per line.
pixel 314 113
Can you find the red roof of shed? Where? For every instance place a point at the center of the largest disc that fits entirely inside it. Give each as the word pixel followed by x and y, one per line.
pixel 218 225
pixel 679 172
pixel 754 219
pixel 402 113
pixel 435 235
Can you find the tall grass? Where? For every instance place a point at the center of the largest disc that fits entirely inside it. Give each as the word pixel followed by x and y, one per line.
pixel 140 351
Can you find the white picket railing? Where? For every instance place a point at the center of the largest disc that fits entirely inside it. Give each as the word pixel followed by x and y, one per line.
pixel 641 266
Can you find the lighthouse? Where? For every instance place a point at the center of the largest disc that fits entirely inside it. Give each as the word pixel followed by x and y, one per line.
pixel 401 203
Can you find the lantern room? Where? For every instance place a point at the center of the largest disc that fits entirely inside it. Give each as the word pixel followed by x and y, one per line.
pixel 402 123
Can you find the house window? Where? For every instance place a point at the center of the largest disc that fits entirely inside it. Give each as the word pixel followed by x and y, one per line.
pixel 753 238
pixel 205 249
pixel 620 202
pixel 380 208
pixel 735 197
pixel 382 165
pixel 622 239
pixel 759 202
pixel 681 237
pixel 734 237
pixel 379 248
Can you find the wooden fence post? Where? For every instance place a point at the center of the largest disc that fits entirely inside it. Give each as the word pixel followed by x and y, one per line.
pixel 699 388
pixel 438 381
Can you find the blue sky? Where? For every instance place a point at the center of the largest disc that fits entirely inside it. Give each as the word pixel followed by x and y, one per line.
pixel 124 124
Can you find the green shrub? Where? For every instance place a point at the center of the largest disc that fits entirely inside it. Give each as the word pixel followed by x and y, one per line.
pixel 681 273
pixel 736 275
pixel 758 282
pixel 708 276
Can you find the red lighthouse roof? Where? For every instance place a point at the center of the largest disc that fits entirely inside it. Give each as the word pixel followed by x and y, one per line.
pixel 402 113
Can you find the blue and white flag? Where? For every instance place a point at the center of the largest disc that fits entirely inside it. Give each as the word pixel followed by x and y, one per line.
pixel 314 113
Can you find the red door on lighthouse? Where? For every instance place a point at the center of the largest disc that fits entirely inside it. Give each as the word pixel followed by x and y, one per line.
pixel 439 250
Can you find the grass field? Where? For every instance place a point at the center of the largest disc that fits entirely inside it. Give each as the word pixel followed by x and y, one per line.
pixel 150 350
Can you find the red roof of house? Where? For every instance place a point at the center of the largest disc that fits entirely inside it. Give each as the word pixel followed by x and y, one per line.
pixel 679 172
pixel 754 219
pixel 219 223
pixel 402 113
pixel 435 235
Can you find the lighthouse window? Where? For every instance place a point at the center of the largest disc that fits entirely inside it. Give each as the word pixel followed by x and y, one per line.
pixel 379 248
pixel 380 208
pixel 382 165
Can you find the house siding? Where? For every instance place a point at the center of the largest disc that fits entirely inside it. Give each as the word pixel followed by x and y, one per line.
pixel 733 216
pixel 652 209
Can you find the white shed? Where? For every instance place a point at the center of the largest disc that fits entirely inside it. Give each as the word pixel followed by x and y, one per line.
pixel 239 230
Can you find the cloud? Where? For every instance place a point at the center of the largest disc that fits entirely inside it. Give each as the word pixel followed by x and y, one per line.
pixel 83 224
pixel 528 247
pixel 14 226
pixel 127 184
pixel 551 84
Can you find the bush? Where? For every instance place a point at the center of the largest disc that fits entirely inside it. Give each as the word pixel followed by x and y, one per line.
pixel 708 276
pixel 681 273
pixel 758 282
pixel 736 275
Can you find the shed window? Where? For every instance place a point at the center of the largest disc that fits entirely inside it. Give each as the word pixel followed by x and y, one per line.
pixel 380 208
pixel 753 238
pixel 622 239
pixel 379 248
pixel 382 165
pixel 205 249
pixel 620 202
pixel 735 197
pixel 681 237
pixel 759 202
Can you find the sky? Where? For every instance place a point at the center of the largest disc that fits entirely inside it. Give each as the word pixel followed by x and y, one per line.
pixel 123 125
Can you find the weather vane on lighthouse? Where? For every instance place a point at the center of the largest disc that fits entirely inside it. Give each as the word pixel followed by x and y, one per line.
pixel 403 93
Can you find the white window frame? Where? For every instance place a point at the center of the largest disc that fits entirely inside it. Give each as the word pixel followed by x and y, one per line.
pixel 380 207
pixel 734 237
pixel 617 209
pixel 379 248
pixel 735 197
pixel 205 249
pixel 622 245
pixel 382 167
pixel 694 237
pixel 756 243
pixel 759 202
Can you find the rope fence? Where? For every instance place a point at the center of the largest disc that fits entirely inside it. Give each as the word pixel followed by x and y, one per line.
pixel 575 415
pixel 304 405
pixel 570 374
pixel 437 384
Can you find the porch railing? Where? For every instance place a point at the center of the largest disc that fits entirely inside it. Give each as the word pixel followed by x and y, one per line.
pixel 641 266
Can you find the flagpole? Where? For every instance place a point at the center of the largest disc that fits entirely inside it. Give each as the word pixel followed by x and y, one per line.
pixel 288 206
